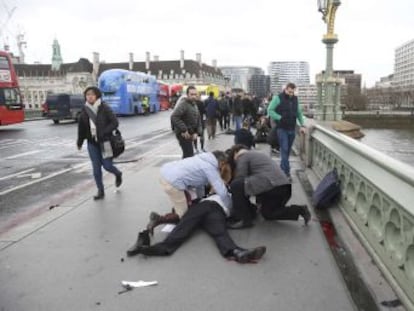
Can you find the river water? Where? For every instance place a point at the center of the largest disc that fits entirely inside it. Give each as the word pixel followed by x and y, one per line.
pixel 397 143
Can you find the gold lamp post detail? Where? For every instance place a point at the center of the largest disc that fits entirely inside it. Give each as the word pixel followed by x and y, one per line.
pixel 328 85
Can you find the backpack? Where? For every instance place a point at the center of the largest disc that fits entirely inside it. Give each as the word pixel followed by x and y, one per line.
pixel 328 191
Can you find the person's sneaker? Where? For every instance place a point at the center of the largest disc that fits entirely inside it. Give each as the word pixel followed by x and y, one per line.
pixel 275 151
pixel 118 180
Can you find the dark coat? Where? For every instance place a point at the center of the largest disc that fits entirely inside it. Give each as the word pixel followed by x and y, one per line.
pixel 106 122
pixel 261 173
pixel 186 117
pixel 244 137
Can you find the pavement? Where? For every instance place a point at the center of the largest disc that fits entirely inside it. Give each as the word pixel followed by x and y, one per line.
pixel 72 257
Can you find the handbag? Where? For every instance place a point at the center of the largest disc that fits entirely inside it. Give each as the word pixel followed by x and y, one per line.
pixel 328 192
pixel 117 143
pixel 116 140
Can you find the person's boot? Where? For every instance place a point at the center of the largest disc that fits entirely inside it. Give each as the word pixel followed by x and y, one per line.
pixel 118 180
pixel 305 213
pixel 99 196
pixel 143 240
pixel 156 219
pixel 248 255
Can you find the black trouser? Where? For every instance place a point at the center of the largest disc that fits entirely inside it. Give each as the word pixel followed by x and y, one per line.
pixel 201 140
pixel 208 215
pixel 224 120
pixel 242 208
pixel 186 146
pixel 273 204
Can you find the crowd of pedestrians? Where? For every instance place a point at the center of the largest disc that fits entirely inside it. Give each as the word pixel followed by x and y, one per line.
pixel 214 190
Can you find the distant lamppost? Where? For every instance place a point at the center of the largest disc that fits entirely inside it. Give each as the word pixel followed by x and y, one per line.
pixel 328 84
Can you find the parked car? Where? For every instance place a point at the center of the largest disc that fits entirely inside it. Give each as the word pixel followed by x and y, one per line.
pixel 63 107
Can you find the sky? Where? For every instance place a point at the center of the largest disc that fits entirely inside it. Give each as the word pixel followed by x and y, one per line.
pixel 237 33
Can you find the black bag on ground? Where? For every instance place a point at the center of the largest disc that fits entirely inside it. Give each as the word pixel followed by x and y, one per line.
pixel 117 143
pixel 328 191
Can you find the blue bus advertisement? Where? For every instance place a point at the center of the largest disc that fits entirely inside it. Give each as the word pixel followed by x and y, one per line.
pixel 129 92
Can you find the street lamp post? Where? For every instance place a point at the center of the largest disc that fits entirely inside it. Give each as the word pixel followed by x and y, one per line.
pixel 328 84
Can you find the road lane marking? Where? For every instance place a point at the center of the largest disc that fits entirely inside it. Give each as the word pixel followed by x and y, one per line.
pixel 81 165
pixel 32 175
pixel 17 174
pixel 23 154
pixel 43 178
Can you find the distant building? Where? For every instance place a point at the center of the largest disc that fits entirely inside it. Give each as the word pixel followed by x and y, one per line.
pixel 385 82
pixel 259 85
pixel 404 65
pixel 185 71
pixel 282 73
pixel 352 80
pixel 240 77
pixel 308 97
pixel 38 80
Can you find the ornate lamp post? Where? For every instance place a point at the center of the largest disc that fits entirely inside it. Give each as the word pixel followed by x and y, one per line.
pixel 328 85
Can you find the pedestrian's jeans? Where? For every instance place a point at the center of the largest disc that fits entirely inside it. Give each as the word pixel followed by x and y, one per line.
pixel 286 138
pixel 238 121
pixel 98 161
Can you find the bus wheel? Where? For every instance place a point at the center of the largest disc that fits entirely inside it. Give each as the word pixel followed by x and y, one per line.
pixel 55 121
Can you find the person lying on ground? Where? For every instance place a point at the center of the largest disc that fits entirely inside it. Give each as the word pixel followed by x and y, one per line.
pixel 210 215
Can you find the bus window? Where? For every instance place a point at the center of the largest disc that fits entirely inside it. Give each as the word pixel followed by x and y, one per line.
pixel 4 63
pixel 10 97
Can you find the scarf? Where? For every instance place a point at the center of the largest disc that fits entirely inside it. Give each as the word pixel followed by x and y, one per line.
pixel 94 108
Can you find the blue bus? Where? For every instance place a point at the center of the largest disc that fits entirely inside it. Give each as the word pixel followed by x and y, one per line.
pixel 129 92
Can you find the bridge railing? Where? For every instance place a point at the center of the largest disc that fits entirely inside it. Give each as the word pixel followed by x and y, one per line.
pixel 377 200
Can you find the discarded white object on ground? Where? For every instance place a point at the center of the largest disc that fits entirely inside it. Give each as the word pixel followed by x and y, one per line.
pixel 168 228
pixel 140 283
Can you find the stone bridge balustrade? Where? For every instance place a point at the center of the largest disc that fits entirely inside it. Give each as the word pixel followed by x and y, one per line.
pixel 377 200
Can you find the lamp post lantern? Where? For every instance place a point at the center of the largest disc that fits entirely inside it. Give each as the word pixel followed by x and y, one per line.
pixel 328 85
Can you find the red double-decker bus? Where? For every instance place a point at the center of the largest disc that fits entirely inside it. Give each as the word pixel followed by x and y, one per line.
pixel 11 105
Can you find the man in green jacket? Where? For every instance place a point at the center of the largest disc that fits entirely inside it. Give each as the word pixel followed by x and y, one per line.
pixel 285 110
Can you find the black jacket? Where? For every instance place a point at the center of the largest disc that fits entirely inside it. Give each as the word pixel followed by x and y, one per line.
pixel 186 117
pixel 106 122
pixel 288 109
pixel 244 137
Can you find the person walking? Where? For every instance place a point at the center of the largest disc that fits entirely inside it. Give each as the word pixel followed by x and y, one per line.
pixel 237 112
pixel 224 110
pixel 258 175
pixel 212 111
pixel 96 124
pixel 186 122
pixel 285 111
